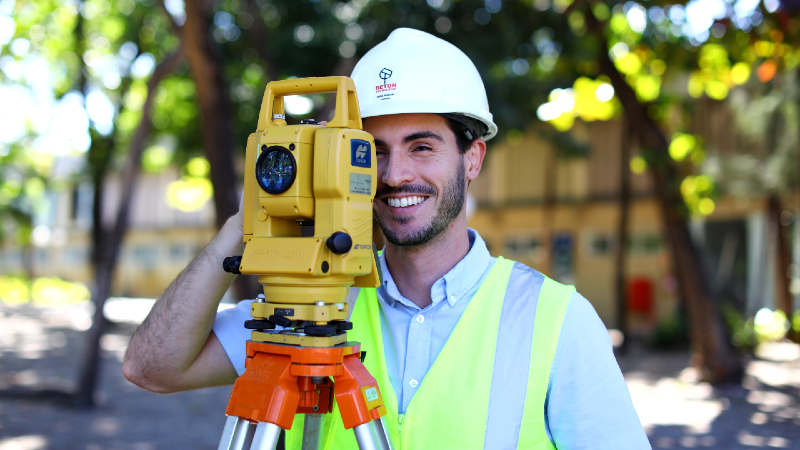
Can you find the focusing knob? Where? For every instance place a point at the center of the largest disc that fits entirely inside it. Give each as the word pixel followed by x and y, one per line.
pixel 340 242
pixel 258 325
pixel 231 264
pixel 320 330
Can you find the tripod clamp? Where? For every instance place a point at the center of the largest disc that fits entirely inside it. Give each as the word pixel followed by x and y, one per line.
pixel 282 380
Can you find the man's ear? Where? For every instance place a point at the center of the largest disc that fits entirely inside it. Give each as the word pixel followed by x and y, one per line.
pixel 473 158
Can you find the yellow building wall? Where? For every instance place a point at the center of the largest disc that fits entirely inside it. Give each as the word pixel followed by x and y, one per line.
pixel 594 274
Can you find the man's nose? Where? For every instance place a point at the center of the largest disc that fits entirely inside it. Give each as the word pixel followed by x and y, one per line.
pixel 397 171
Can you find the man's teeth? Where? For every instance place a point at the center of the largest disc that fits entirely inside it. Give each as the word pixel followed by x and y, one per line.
pixel 405 201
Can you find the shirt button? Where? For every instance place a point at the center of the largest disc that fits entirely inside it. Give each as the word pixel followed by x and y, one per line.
pixel 452 298
pixel 420 318
pixel 413 383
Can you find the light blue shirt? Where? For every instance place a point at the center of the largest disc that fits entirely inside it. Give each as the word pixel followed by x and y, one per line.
pixel 588 404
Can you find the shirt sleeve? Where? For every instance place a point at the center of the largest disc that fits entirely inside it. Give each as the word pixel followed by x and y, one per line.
pixel 588 403
pixel 230 330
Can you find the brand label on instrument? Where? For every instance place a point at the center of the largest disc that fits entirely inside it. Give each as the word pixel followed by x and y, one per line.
pixel 371 393
pixel 360 183
pixel 277 254
pixel 360 154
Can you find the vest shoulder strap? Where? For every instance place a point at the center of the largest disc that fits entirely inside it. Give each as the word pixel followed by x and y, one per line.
pixel 550 310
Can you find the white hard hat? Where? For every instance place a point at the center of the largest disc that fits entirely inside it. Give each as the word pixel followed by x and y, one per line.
pixel 415 72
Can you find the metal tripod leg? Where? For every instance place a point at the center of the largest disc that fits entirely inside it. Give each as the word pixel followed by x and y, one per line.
pixel 266 437
pixel 373 436
pixel 312 432
pixel 237 435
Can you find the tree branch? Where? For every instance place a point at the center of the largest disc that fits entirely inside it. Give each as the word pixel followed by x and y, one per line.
pixel 260 37
pixel 138 141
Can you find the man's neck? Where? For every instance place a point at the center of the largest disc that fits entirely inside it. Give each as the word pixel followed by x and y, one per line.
pixel 415 269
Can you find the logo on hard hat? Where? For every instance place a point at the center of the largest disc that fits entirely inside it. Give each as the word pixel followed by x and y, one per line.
pixel 385 74
pixel 382 89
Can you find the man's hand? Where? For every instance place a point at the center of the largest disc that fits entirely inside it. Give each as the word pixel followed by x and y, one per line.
pixel 238 218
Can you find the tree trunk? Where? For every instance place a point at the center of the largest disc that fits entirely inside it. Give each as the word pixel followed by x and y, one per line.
pixel 216 113
pixel 779 241
pixel 106 244
pixel 260 36
pixel 90 363
pixel 622 236
pixel 550 162
pixel 713 352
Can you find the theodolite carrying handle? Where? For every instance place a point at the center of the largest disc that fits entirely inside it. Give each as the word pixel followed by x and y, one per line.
pixel 347 112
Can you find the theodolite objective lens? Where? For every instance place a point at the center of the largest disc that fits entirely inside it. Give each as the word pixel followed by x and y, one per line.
pixel 276 170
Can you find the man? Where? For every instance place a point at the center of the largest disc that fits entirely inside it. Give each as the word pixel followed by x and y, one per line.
pixel 449 333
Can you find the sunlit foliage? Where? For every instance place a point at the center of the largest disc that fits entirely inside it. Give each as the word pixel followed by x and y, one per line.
pixel 43 291
pixel 674 53
pixel 194 189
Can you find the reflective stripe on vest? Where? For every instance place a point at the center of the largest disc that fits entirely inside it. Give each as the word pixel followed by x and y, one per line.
pixel 470 398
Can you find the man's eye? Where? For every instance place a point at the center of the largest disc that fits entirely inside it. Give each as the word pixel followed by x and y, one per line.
pixel 422 148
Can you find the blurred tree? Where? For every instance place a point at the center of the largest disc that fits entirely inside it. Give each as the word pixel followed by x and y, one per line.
pixel 107 238
pixel 712 346
pixel 102 63
pixel 646 54
pixel 767 115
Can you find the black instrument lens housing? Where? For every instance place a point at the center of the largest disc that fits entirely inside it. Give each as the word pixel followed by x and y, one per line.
pixel 276 170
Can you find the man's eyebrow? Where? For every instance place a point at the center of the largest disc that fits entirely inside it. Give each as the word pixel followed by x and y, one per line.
pixel 422 135
pixel 413 137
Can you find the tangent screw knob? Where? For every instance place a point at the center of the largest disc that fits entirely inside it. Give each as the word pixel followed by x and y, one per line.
pixel 231 264
pixel 340 242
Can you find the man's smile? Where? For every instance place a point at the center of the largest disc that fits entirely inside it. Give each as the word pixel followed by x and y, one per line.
pixel 404 202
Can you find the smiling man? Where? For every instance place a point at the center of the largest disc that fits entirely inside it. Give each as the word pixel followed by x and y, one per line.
pixel 470 351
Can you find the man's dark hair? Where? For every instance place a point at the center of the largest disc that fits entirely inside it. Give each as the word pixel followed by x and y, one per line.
pixel 466 129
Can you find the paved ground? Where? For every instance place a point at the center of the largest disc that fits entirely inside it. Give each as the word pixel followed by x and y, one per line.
pixel 679 412
pixel 39 348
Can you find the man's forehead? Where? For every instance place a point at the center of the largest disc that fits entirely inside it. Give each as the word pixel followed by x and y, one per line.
pixel 400 125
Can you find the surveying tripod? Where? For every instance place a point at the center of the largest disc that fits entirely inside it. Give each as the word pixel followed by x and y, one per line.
pixel 307 227
pixel 282 380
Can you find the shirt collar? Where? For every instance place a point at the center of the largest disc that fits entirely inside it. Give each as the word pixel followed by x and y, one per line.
pixel 454 284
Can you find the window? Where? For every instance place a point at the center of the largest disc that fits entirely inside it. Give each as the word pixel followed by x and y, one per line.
pixel 644 243
pixel 600 244
pixel 145 255
pixel 77 255
pixel 523 247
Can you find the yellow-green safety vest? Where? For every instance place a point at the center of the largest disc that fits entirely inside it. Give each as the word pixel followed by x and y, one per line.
pixel 451 406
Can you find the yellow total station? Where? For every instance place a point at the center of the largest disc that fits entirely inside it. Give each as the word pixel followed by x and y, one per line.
pixel 308 193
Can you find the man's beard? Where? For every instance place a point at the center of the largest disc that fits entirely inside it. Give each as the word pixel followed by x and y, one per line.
pixel 452 202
